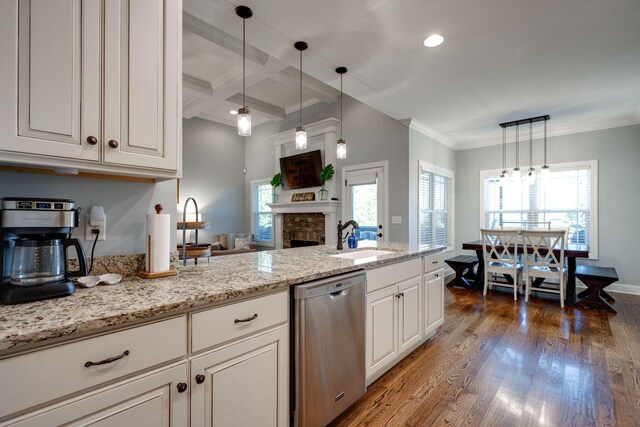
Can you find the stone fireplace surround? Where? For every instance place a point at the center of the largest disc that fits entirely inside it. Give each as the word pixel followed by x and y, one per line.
pixel 308 227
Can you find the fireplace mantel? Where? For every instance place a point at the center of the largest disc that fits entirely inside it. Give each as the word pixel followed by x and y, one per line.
pixel 319 206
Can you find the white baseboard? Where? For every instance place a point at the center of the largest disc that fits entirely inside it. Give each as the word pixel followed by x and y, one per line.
pixel 617 287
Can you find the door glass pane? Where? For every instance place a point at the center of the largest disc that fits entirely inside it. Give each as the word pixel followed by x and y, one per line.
pixel 364 202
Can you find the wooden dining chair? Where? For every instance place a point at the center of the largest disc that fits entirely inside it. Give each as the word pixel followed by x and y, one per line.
pixel 501 258
pixel 543 263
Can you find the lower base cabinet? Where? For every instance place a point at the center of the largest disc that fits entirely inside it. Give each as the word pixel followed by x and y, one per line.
pixel 243 384
pixel 159 398
pixel 434 300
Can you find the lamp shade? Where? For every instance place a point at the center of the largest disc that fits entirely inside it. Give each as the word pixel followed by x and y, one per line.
pixel 244 122
pixel 301 138
pixel 341 149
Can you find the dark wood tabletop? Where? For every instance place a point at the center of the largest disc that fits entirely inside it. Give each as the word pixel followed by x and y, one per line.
pixel 571 251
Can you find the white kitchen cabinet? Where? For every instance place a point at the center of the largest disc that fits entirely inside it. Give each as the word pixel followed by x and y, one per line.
pixel 243 384
pixel 433 282
pixel 158 398
pixel 394 319
pixel 92 85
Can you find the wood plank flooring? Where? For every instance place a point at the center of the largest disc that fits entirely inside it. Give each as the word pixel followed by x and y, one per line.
pixel 496 362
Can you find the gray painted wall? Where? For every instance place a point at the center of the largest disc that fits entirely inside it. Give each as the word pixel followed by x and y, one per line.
pixel 618 153
pixel 213 175
pixel 126 204
pixel 371 136
pixel 422 147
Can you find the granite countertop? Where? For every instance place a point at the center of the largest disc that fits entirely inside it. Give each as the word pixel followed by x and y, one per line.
pixel 224 278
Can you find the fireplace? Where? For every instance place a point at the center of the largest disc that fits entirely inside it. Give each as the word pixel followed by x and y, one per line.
pixel 303 229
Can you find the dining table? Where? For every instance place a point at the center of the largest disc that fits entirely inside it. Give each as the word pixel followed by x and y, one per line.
pixel 571 252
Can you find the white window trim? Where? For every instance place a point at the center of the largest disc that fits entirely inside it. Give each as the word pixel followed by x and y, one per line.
pixel 267 243
pixel 430 167
pixel 593 164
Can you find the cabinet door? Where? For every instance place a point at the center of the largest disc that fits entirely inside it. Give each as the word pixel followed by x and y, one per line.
pixel 51 96
pixel 382 327
pixel 410 313
pixel 245 383
pixel 434 299
pixel 141 88
pixel 147 400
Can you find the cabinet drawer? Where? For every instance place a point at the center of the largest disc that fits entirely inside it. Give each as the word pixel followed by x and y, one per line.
pixel 433 262
pixel 379 278
pixel 38 377
pixel 221 324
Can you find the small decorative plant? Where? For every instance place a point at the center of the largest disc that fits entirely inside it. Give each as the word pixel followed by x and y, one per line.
pixel 325 175
pixel 276 182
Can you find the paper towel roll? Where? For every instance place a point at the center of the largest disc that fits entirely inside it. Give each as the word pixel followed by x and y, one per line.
pixel 158 231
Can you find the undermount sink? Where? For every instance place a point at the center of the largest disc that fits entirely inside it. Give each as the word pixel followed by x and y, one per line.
pixel 368 253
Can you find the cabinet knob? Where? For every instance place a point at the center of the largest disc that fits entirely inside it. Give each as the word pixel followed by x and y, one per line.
pixel 182 387
pixel 199 379
pixel 92 140
pixel 436 275
pixel 113 143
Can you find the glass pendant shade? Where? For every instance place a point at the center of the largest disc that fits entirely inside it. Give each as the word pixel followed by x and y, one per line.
pixel 244 122
pixel 516 174
pixel 531 176
pixel 341 149
pixel 544 171
pixel 301 138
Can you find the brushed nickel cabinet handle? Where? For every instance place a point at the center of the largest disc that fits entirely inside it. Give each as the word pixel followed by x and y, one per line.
pixel 248 319
pixel 113 143
pixel 107 360
pixel 92 140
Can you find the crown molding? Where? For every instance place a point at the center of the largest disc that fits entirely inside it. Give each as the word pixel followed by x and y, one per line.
pixel 412 123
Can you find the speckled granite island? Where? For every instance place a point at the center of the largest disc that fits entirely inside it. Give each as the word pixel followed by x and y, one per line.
pixel 134 299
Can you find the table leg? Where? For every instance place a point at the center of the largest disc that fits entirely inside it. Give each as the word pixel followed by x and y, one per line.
pixel 571 282
pixel 480 272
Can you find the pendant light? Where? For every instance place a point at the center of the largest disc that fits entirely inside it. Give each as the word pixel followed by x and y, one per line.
pixel 531 174
pixel 244 115
pixel 544 171
pixel 341 148
pixel 516 170
pixel 503 174
pixel 301 134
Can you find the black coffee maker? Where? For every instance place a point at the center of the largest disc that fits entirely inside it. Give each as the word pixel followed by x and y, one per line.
pixel 35 235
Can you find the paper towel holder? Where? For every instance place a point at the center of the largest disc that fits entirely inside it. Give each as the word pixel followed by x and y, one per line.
pixel 148 275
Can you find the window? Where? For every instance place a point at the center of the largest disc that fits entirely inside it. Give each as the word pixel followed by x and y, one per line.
pixel 435 192
pixel 262 219
pixel 566 198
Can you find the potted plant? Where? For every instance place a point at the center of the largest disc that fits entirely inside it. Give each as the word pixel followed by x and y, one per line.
pixel 276 182
pixel 325 175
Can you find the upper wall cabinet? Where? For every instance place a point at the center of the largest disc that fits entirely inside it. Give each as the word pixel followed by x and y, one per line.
pixel 93 85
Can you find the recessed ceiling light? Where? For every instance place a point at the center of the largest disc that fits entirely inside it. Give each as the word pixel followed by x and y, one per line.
pixel 233 112
pixel 433 40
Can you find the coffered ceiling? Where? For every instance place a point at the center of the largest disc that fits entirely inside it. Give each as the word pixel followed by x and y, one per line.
pixel 577 60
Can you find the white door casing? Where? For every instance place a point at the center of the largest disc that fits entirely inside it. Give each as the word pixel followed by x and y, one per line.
pixel 370 173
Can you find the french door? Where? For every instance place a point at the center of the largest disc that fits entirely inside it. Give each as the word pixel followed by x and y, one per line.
pixel 364 200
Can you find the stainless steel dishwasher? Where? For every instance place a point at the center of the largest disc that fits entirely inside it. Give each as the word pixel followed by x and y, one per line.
pixel 329 349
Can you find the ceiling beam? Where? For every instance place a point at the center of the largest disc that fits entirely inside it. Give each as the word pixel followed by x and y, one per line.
pixel 219 38
pixel 270 111
pixel 197 85
pixel 313 87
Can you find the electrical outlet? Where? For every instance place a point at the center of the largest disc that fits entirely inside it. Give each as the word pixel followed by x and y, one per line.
pixel 97 225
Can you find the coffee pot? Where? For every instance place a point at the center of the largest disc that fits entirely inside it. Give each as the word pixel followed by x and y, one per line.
pixel 35 236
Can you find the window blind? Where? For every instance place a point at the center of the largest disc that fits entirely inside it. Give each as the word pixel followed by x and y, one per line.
pixel 561 200
pixel 436 206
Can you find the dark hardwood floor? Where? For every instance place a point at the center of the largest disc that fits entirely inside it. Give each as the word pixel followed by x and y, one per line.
pixel 497 362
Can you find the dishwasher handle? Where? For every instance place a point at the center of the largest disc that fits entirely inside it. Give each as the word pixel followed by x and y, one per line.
pixel 333 286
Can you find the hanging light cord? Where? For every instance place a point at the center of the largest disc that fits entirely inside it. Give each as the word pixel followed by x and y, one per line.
pixel 517 146
pixel 341 95
pixel 530 146
pixel 504 149
pixel 244 38
pixel 545 142
pixel 300 88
